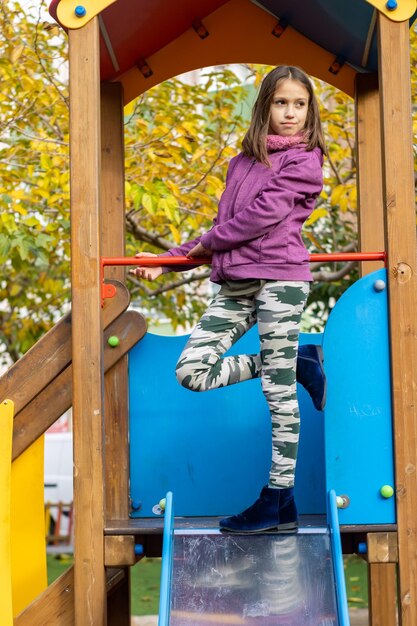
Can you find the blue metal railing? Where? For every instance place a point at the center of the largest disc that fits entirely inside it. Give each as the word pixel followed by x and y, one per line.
pixel 339 572
pixel 167 557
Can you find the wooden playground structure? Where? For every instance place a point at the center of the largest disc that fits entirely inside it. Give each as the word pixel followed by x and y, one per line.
pixel 117 50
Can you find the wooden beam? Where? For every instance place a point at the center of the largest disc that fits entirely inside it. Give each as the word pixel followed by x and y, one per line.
pixel 400 234
pixel 113 244
pixel 382 557
pixel 35 370
pixel 382 605
pixel 87 353
pixel 56 604
pixel 56 398
pixel 116 424
pixel 369 169
pixel 119 550
pixel 382 547
pixel 112 176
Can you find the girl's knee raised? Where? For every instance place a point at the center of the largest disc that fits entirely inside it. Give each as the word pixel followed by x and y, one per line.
pixel 188 379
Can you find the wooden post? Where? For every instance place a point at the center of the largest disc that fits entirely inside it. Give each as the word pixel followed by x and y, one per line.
pixel 382 558
pixel 87 353
pixel 400 233
pixel 116 380
pixel 381 577
pixel 369 169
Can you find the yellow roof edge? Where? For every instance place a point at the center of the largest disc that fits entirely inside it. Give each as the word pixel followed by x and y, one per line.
pixel 73 14
pixel 395 10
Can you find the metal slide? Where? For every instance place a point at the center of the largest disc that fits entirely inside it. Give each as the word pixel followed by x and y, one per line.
pixel 269 579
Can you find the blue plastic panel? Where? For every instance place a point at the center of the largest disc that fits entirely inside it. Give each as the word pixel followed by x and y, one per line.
pixel 358 425
pixel 212 449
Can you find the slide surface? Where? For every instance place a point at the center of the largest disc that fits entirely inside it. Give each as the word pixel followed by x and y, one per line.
pixel 268 579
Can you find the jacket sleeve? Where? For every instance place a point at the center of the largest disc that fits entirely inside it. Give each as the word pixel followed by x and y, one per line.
pixel 299 179
pixel 184 248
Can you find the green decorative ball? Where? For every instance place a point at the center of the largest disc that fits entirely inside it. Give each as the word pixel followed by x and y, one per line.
pixel 386 491
pixel 113 341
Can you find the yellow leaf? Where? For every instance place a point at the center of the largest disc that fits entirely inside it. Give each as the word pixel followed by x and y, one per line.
pixel 175 233
pixel 45 161
pixel 184 144
pixel 147 203
pixel 316 215
pixel 8 222
pixel 189 127
pixel 174 187
pixel 353 199
pixel 15 289
pixel 16 53
pixel 337 193
pixel 18 194
pixel 215 182
pixel 344 203
pixel 129 108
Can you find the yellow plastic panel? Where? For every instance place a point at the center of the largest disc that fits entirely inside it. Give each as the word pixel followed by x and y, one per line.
pixel 6 432
pixel 403 11
pixel 28 550
pixel 68 18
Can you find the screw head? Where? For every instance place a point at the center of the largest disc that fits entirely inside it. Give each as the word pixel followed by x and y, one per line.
pixel 386 491
pixel 80 10
pixel 379 285
pixel 391 5
pixel 113 341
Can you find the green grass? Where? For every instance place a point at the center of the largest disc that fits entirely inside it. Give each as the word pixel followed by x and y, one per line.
pixel 145 577
pixel 356 575
pixel 57 564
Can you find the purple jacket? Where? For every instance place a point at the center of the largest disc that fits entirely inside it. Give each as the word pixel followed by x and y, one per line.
pixel 257 232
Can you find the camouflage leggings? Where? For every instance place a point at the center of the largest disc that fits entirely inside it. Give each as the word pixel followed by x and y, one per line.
pixel 277 307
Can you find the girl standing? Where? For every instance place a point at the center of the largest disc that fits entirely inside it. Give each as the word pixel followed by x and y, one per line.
pixel 259 259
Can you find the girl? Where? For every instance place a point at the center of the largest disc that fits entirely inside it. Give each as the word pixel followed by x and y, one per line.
pixel 259 259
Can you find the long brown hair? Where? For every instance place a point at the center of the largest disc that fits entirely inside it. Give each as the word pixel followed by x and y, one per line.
pixel 254 142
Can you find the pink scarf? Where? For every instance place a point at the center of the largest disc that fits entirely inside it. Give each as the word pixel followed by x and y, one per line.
pixel 278 142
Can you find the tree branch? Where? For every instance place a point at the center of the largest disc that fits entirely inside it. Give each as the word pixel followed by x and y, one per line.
pixel 144 235
pixel 327 277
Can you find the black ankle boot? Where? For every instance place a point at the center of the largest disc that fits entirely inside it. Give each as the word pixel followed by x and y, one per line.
pixel 274 510
pixel 310 373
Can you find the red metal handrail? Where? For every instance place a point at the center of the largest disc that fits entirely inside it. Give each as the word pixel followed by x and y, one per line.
pixel 154 261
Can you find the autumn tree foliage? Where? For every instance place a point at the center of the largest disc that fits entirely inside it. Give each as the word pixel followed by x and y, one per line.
pixel 34 179
pixel 179 137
